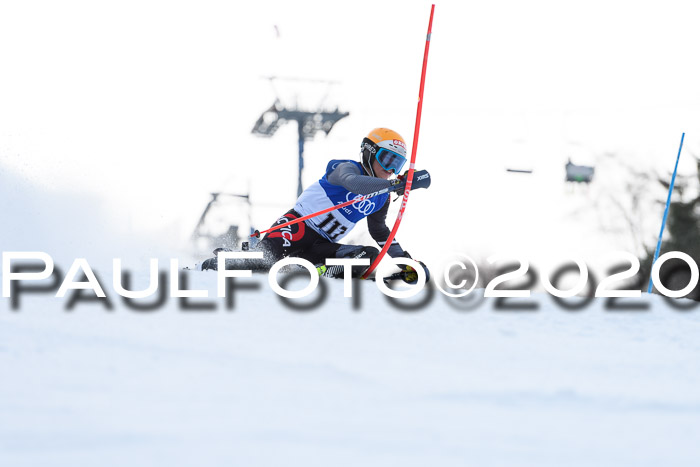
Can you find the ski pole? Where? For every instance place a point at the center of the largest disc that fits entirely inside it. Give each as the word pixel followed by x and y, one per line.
pixel 663 223
pixel 409 176
pixel 257 233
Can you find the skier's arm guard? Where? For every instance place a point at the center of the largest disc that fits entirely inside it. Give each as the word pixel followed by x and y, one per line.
pixel 421 179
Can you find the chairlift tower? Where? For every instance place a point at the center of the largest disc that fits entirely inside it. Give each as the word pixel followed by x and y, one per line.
pixel 308 121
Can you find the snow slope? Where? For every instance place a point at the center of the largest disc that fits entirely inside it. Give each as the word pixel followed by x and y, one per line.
pixel 265 385
pixel 338 384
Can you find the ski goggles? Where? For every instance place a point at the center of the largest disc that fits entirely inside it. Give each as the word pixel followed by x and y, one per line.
pixel 389 160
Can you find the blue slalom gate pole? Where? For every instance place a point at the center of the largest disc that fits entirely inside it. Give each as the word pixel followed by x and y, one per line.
pixel 663 223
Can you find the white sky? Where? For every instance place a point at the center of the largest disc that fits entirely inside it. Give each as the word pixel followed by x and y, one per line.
pixel 149 105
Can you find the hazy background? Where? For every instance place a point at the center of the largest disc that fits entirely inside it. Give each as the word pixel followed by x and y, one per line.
pixel 118 119
pixel 140 109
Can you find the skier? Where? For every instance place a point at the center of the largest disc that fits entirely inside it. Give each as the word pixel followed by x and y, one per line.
pixel 383 154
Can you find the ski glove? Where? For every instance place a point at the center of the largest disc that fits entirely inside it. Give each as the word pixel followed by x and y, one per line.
pixel 421 179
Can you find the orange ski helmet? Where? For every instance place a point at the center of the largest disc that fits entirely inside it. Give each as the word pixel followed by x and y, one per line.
pixel 386 147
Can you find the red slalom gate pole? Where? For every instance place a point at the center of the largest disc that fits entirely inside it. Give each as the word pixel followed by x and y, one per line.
pixel 409 176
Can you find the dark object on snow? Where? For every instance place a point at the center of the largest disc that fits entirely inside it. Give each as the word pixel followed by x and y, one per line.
pixel 579 173
pixel 520 171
